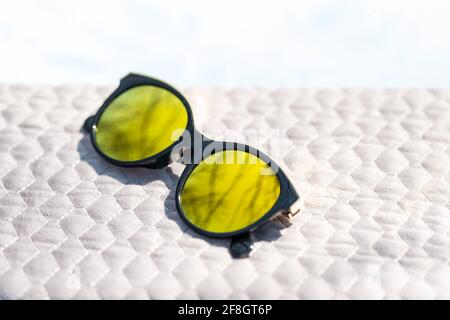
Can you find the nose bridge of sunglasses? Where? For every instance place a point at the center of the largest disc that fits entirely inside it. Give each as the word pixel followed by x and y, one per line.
pixel 195 146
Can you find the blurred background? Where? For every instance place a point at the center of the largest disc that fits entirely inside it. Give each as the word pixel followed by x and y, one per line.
pixel 265 43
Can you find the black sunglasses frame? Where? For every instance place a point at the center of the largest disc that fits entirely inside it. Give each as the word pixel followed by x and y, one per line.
pixel 288 196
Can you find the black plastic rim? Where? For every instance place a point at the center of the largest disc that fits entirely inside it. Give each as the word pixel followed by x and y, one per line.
pixel 285 199
pixel 127 83
pixel 287 196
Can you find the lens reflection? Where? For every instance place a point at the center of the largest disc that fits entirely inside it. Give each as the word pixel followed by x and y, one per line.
pixel 229 191
pixel 140 123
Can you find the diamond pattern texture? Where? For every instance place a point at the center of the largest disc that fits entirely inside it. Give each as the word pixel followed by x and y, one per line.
pixel 372 167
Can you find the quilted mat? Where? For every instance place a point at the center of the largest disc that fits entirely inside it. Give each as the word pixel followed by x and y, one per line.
pixel 372 168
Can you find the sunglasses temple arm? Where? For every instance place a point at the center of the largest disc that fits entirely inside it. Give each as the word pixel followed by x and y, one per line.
pixel 89 123
pixel 241 246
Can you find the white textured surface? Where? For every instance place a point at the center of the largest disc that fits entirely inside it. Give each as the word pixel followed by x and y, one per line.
pixel 372 167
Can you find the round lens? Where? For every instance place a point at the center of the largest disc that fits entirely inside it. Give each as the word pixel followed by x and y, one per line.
pixel 229 191
pixel 140 123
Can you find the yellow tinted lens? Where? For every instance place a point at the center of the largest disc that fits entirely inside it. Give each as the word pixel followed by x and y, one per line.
pixel 229 191
pixel 140 123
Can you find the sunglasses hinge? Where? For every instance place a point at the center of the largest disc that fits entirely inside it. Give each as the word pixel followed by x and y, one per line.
pixel 291 212
pixel 89 123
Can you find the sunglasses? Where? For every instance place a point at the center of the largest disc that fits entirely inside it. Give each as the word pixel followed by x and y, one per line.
pixel 226 190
